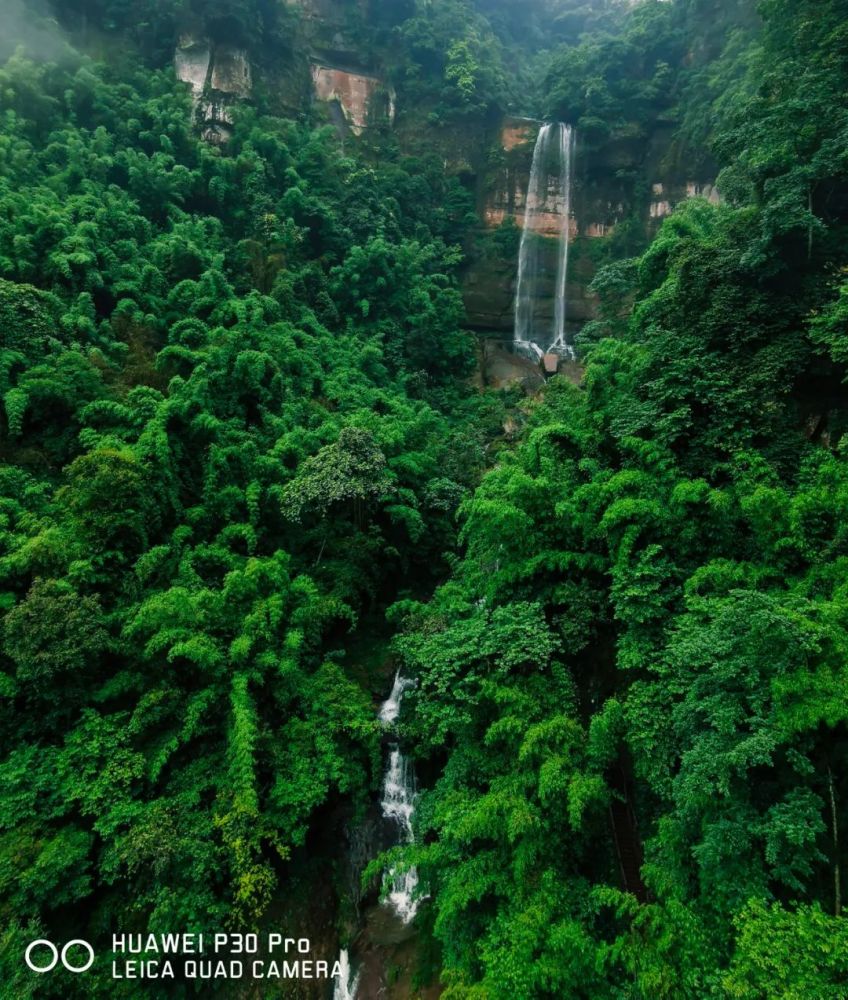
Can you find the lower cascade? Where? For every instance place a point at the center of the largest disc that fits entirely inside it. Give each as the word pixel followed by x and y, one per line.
pixel 390 709
pixel 347 982
pixel 398 804
pixel 547 213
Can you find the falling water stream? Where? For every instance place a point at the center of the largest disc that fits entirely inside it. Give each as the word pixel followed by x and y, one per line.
pixel 548 208
pixel 398 804
pixel 347 982
pixel 390 709
pixel 547 212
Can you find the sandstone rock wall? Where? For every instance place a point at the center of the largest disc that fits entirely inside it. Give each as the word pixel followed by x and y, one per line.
pixel 231 72
pixel 362 98
pixel 601 202
pixel 219 76
pixel 629 178
pixel 191 62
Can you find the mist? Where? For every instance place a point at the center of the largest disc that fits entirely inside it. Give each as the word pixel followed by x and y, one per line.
pixel 29 24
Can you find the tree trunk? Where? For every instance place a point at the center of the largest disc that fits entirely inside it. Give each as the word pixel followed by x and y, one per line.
pixel 837 876
pixel 810 225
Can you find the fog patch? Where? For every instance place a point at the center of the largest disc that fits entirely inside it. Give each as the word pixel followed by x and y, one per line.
pixel 30 25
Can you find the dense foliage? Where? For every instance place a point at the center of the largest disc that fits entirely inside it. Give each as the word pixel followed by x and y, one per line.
pixel 234 426
pixel 633 687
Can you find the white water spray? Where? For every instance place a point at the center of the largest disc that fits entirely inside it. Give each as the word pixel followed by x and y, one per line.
pixel 398 804
pixel 390 709
pixel 346 982
pixel 399 792
pixel 547 212
pixel 567 146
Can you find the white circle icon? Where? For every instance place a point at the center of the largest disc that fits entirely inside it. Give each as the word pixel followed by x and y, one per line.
pixel 55 955
pixel 78 968
pixel 35 944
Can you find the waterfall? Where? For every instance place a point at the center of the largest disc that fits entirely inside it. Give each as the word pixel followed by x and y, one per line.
pixel 566 154
pixel 547 213
pixel 346 982
pixel 398 792
pixel 390 708
pixel 398 803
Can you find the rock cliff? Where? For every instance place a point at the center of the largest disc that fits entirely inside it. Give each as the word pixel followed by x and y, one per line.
pixel 603 202
pixel 623 188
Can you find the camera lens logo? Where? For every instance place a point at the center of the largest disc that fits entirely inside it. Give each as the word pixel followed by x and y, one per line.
pixel 46 962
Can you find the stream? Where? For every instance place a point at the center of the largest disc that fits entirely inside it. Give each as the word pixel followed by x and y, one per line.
pixel 397 805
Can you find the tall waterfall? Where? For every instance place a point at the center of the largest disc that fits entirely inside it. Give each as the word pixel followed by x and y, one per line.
pixel 547 213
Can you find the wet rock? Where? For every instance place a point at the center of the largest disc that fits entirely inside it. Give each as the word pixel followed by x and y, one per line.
pixel 518 132
pixel 502 368
pixel 191 62
pixel 362 98
pixel 488 291
pixel 219 76
pixel 231 72
pixel 387 953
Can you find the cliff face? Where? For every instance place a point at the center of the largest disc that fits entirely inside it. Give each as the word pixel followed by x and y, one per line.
pixel 325 63
pixel 219 75
pixel 622 189
pixel 360 98
pixel 626 182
